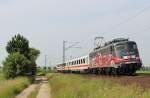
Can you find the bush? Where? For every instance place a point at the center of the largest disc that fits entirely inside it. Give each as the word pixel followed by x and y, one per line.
pixel 15 65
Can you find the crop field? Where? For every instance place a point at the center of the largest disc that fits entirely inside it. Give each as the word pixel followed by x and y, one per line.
pixel 144 71
pixel 1 76
pixel 80 86
pixel 9 88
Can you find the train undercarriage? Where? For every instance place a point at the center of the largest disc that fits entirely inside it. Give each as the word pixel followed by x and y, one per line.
pixel 124 69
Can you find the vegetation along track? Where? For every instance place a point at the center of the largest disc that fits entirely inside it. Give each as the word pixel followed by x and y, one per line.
pixel 142 80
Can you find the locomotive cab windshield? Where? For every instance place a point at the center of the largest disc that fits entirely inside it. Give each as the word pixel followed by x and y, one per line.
pixel 126 49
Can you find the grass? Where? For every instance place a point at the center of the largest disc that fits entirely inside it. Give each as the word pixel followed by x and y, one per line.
pixel 143 71
pixel 1 76
pixel 34 93
pixel 77 86
pixel 9 88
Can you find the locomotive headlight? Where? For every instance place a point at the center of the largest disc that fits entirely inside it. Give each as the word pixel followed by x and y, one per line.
pixel 125 57
pixel 133 56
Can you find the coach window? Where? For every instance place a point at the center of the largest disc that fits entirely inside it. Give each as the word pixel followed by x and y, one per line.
pixel 73 62
pixel 79 61
pixel 86 60
pixel 83 60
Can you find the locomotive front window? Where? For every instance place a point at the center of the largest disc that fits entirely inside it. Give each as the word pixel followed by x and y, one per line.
pixel 127 49
pixel 121 50
pixel 132 47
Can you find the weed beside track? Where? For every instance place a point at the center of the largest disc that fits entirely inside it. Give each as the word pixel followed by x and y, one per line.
pixel 77 86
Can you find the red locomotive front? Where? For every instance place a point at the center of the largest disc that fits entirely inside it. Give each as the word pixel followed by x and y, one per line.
pixel 120 54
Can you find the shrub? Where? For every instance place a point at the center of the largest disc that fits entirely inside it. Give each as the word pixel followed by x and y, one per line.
pixel 15 65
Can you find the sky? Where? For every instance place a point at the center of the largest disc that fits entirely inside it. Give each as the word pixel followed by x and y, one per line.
pixel 46 23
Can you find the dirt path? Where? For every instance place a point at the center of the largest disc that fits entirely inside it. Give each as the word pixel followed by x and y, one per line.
pixel 27 91
pixel 44 91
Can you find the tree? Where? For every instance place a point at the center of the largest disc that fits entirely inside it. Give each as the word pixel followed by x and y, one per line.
pixel 21 59
pixel 18 44
pixel 33 55
pixel 15 64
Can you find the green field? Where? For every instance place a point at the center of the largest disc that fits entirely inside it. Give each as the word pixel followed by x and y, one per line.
pixel 1 76
pixel 9 88
pixel 77 86
pixel 143 71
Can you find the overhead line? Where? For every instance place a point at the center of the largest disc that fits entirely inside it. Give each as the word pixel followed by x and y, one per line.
pixel 130 18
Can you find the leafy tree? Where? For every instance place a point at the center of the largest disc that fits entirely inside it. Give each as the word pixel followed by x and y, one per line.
pixel 33 55
pixel 21 59
pixel 15 64
pixel 18 44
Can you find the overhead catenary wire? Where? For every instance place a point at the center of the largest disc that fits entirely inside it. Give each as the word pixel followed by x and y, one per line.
pixel 134 16
pixel 130 18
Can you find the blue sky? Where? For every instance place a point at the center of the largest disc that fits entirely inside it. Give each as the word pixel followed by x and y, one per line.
pixel 46 23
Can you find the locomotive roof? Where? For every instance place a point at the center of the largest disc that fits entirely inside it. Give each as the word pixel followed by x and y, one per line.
pixel 114 41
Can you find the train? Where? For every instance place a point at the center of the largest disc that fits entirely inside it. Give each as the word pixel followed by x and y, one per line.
pixel 118 56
